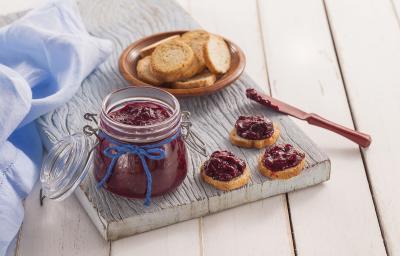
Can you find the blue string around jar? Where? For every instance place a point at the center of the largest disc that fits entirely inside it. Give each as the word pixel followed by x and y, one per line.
pixel 151 151
pixel 140 161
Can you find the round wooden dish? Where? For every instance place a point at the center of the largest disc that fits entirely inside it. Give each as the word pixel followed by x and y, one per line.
pixel 130 56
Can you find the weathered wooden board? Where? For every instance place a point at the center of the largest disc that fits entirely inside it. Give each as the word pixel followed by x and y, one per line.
pixel 213 117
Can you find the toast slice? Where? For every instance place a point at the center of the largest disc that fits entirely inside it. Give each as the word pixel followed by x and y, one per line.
pixel 246 143
pixel 145 72
pixel 194 69
pixel 203 79
pixel 284 174
pixel 171 60
pixel 217 55
pixel 235 183
pixel 196 39
pixel 146 51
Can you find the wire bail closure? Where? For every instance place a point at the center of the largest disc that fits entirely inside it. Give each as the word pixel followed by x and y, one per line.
pixel 192 139
pixel 87 129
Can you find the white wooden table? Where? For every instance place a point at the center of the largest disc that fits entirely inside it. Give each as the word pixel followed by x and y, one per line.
pixel 339 58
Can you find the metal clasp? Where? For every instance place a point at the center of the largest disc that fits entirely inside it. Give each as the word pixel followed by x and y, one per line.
pixel 89 130
pixel 191 138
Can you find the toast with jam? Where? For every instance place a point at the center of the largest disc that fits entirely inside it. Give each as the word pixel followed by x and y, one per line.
pixel 281 162
pixel 254 132
pixel 224 171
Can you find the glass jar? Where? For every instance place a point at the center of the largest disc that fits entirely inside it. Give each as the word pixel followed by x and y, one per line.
pixel 128 176
pixel 129 160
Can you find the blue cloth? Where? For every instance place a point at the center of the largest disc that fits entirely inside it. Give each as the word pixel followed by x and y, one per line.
pixel 44 56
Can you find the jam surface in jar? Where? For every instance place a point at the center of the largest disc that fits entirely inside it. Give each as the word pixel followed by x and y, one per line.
pixel 281 157
pixel 254 127
pixel 224 166
pixel 140 113
pixel 128 177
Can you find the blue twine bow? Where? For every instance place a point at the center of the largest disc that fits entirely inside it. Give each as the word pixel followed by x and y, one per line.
pixel 150 151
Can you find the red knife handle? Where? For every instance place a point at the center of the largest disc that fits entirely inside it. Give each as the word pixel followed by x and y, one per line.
pixel 362 139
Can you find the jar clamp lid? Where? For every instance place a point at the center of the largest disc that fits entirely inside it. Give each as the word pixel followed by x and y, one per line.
pixel 67 163
pixel 65 166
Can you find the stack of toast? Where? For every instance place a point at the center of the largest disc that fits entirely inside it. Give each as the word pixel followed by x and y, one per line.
pixel 191 60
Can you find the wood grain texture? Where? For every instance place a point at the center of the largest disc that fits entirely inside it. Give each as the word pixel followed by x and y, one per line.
pixel 179 239
pixel 212 118
pixel 58 228
pixel 368 48
pixel 337 218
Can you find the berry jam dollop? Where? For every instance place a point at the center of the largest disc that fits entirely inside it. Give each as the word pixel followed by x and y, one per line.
pixel 141 113
pixel 254 127
pixel 224 166
pixel 280 157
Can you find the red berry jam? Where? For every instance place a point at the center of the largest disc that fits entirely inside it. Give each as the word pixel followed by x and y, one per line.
pixel 281 157
pixel 140 113
pixel 254 127
pixel 129 179
pixel 147 116
pixel 224 166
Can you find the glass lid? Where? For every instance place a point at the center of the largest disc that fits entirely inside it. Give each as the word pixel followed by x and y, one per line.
pixel 65 166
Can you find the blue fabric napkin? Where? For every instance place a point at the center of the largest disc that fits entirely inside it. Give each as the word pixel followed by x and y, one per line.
pixel 44 56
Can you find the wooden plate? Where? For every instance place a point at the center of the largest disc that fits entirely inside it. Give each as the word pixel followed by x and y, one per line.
pixel 130 56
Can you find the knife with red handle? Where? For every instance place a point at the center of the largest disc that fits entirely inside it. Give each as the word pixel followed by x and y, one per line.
pixel 362 139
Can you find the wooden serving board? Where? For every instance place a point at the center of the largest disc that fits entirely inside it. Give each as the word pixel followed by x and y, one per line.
pixel 124 21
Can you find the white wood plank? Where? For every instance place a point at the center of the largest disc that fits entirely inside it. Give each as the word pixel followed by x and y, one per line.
pixel 260 228
pixel 249 226
pixel 58 228
pixel 396 9
pixel 336 218
pixel 175 240
pixel 367 35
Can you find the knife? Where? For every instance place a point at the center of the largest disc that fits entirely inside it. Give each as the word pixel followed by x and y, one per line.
pixel 362 139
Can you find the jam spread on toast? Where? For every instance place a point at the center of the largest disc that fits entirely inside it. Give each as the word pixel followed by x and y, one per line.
pixel 281 157
pixel 224 166
pixel 254 127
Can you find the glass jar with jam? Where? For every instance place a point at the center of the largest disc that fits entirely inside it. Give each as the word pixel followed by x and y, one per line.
pixel 140 150
pixel 147 118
